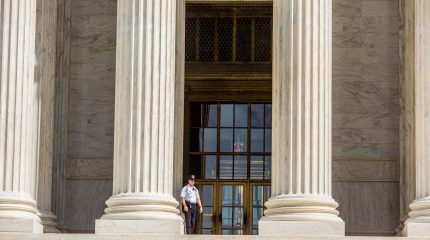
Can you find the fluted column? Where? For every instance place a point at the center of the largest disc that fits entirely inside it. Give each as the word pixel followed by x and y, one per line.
pixel 178 152
pixel 45 56
pixel 301 202
pixel 18 117
pixel 142 198
pixel 417 102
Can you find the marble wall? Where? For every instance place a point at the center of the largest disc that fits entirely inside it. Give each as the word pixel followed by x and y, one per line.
pixel 88 166
pixel 365 114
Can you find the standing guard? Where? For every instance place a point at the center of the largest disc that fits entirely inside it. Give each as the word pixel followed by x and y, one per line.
pixel 190 200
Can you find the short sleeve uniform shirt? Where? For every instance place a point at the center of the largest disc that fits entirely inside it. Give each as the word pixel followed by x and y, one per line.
pixel 190 193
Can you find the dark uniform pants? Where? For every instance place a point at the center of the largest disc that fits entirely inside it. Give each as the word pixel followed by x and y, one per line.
pixel 191 218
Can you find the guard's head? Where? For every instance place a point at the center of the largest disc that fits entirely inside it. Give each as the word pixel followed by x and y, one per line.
pixel 191 179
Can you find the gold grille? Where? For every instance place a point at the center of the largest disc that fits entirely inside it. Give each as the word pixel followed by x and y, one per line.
pixel 229 34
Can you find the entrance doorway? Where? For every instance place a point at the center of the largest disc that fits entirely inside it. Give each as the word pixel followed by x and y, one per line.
pixel 232 208
pixel 230 154
pixel 228 110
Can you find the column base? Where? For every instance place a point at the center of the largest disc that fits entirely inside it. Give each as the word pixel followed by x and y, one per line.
pixel 141 213
pixel 418 223
pixel 106 226
pixel 416 229
pixel 49 222
pixel 20 226
pixel 301 228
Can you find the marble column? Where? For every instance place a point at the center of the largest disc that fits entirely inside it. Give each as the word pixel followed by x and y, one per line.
pixel 45 74
pixel 417 101
pixel 19 109
pixel 178 152
pixel 142 200
pixel 61 104
pixel 301 202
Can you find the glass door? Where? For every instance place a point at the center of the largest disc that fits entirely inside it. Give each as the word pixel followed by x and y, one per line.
pixel 232 209
pixel 207 221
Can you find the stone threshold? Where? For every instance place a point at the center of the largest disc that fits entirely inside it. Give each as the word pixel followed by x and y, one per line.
pixel 71 236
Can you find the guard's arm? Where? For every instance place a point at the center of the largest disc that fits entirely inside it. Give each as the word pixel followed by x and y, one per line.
pixel 200 205
pixel 184 205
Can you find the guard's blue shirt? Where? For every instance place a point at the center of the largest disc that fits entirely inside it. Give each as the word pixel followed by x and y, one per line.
pixel 190 193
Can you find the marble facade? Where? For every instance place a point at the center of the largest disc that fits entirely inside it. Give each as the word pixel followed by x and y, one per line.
pixel 368 143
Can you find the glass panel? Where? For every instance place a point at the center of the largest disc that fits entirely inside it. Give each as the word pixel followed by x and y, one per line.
pixel 227 232
pixel 266 194
pixel 257 196
pixel 209 167
pixel 240 167
pixel 236 232
pixel 227 195
pixel 209 115
pixel 226 139
pixel 257 140
pixel 207 221
pixel 196 140
pixel 196 165
pixel 257 213
pixel 268 140
pixel 226 115
pixel 227 218
pixel 206 194
pixel 210 139
pixel 260 194
pixel 257 115
pixel 232 195
pixel 238 217
pixel 195 115
pixel 257 167
pixel 268 116
pixel 240 139
pixel 238 195
pixel 241 115
pixel 207 231
pixel 226 167
pixel 268 167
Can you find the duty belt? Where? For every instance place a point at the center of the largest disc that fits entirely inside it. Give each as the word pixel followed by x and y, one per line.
pixel 190 204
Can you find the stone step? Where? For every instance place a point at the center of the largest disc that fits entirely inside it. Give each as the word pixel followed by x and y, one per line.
pixel 71 236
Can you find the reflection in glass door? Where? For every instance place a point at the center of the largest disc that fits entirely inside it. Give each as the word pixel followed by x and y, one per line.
pixel 207 220
pixel 260 194
pixel 232 210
